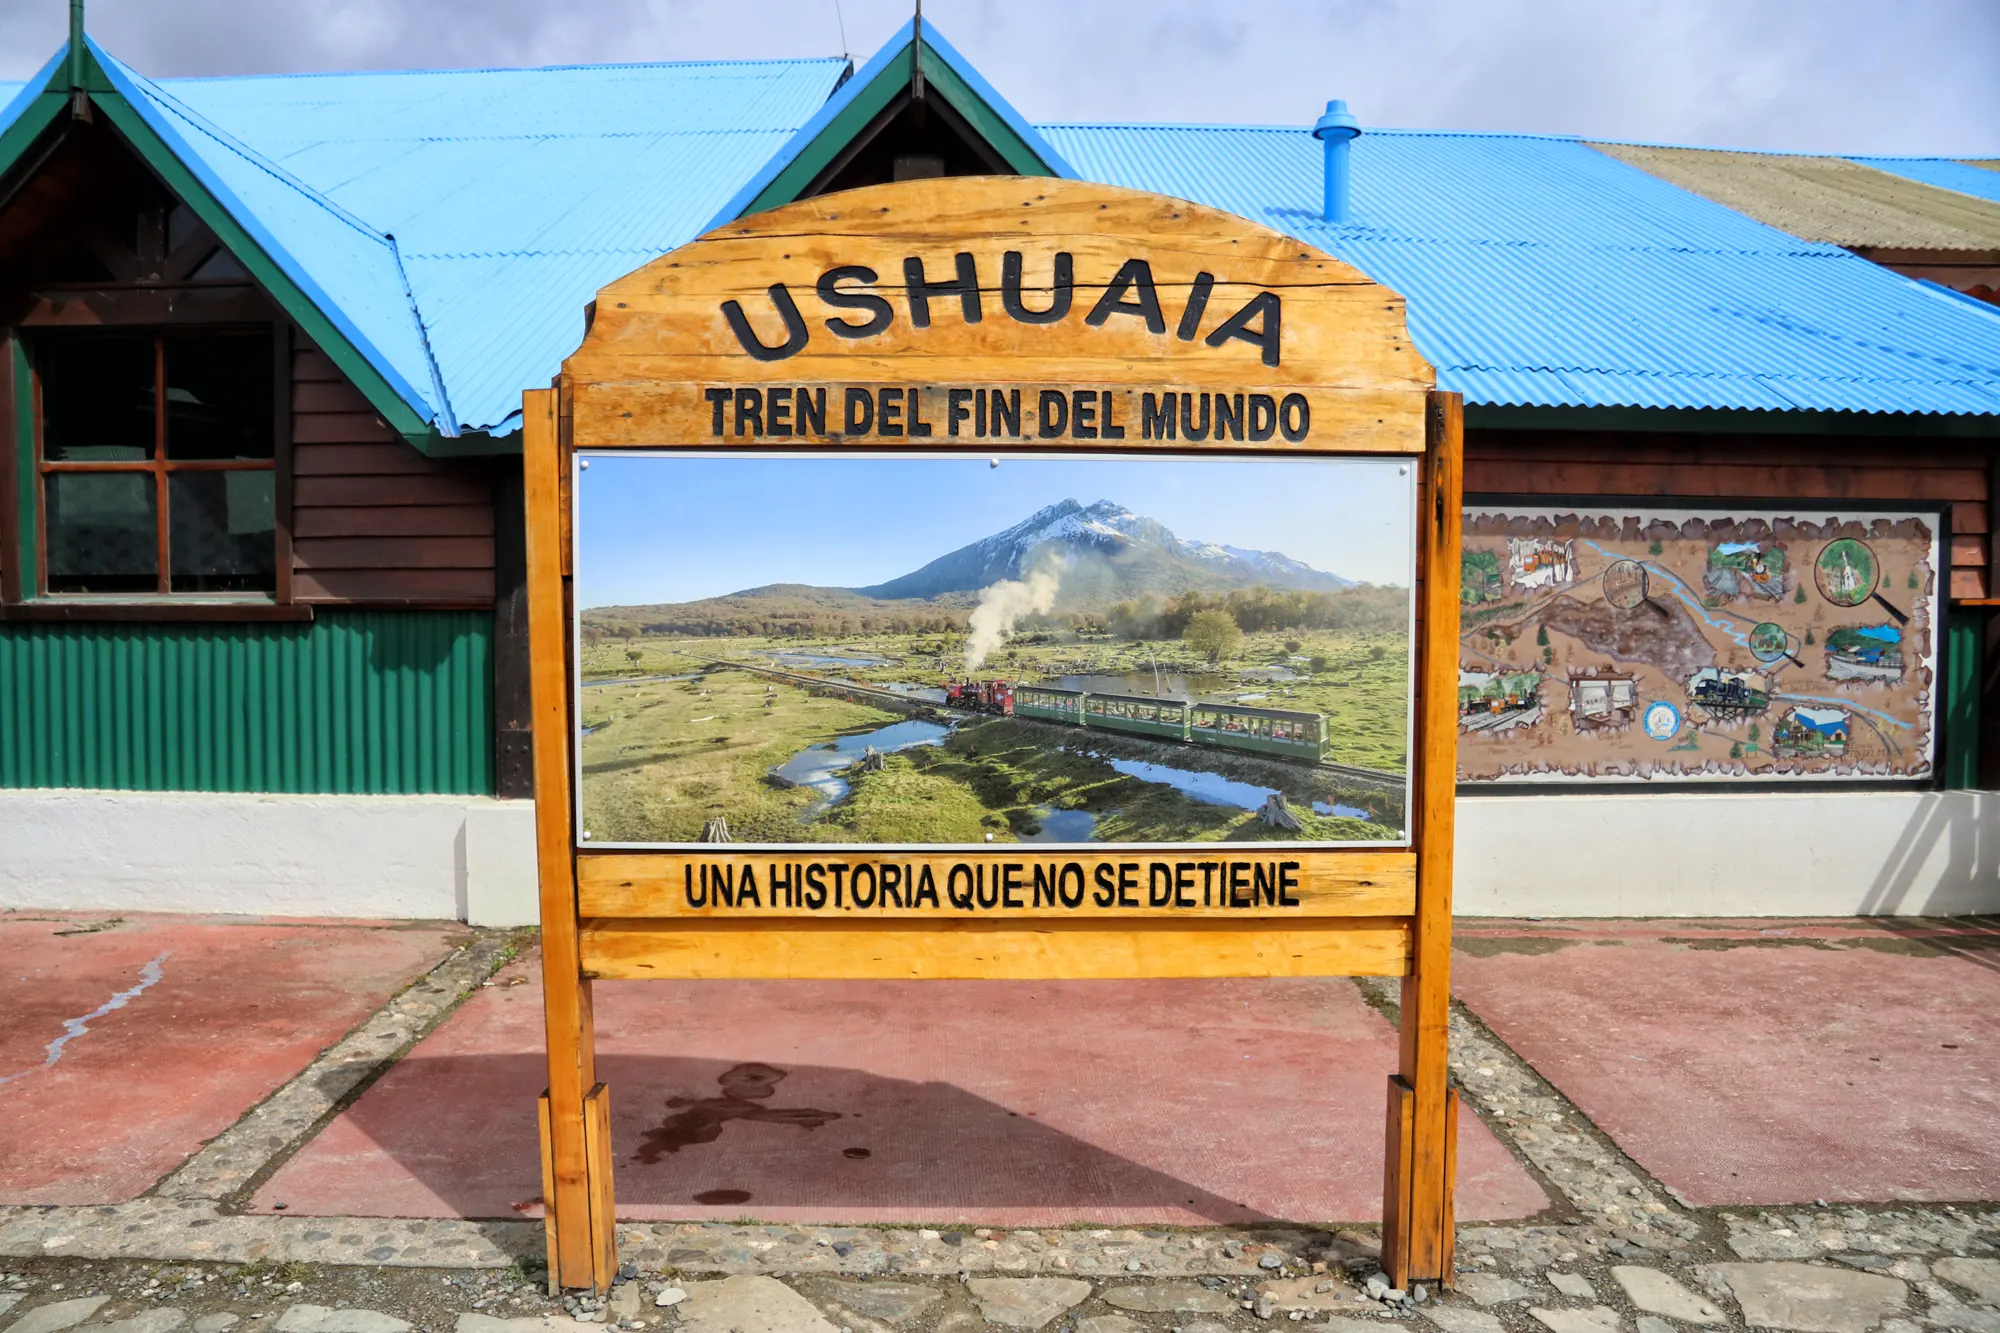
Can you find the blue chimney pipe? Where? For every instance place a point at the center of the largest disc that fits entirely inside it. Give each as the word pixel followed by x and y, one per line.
pixel 1336 129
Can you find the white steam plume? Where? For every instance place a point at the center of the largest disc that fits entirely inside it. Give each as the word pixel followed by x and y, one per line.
pixel 1004 605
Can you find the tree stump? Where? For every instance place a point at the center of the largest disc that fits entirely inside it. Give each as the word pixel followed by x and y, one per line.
pixel 715 830
pixel 873 760
pixel 1279 815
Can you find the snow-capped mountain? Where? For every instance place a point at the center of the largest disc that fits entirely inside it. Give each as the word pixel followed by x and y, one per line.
pixel 1137 554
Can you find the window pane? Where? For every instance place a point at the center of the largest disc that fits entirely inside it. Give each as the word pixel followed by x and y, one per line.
pixel 102 534
pixel 97 399
pixel 219 396
pixel 223 537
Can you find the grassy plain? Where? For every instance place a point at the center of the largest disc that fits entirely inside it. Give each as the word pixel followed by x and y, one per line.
pixel 1361 684
pixel 1018 768
pixel 661 756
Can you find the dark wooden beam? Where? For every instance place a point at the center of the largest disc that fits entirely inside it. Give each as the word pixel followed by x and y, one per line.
pixel 99 307
pixel 10 497
pixel 80 611
pixel 513 708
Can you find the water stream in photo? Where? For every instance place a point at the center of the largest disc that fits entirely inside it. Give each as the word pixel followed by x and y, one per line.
pixel 823 659
pixel 1214 789
pixel 819 766
pixel 1063 826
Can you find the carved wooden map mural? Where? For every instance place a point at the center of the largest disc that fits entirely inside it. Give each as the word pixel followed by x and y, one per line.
pixel 1643 644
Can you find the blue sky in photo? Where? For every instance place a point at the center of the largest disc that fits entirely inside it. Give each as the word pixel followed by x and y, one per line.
pixel 657 528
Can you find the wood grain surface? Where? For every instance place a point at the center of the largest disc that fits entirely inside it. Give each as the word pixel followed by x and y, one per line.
pixel 1188 883
pixel 1155 284
pixel 981 950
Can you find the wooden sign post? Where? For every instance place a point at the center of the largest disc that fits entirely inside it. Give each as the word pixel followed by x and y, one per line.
pixel 995 315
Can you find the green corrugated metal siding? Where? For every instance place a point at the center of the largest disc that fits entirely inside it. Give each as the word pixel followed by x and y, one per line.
pixel 354 702
pixel 1961 698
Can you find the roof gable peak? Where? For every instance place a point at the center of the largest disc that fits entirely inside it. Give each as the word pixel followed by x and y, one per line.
pixel 917 76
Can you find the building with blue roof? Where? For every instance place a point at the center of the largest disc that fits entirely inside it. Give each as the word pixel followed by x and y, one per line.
pixel 372 268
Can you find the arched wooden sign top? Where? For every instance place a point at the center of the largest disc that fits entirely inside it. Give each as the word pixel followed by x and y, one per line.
pixel 1045 286
pixel 1040 320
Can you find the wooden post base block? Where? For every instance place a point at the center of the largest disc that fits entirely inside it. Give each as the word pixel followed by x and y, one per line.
pixel 549 1228
pixel 598 1264
pixel 598 1162
pixel 1419 1216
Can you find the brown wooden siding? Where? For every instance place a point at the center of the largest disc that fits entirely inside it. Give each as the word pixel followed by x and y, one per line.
pixel 1781 467
pixel 373 520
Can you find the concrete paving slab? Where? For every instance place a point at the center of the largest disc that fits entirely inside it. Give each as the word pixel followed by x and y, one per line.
pixel 58 1315
pixel 129 1042
pixel 982 1102
pixel 1811 1298
pixel 1763 1062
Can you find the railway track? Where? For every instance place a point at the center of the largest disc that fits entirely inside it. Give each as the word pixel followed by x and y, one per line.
pixel 907 703
pixel 868 692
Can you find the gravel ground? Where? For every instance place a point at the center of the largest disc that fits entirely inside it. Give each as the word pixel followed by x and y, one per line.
pixel 1618 1251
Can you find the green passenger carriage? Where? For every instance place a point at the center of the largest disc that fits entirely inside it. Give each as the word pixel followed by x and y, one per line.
pixel 1274 731
pixel 1139 714
pixel 1051 703
pixel 1268 730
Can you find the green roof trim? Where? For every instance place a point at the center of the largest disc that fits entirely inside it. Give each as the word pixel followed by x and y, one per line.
pixel 106 98
pixel 979 114
pixel 892 77
pixel 18 137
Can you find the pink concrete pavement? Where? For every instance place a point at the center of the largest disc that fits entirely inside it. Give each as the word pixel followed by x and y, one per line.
pixel 128 1043
pixel 977 1102
pixel 1762 1062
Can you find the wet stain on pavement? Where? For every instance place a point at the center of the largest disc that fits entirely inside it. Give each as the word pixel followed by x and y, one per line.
pixel 744 1091
pixel 1490 946
pixel 723 1196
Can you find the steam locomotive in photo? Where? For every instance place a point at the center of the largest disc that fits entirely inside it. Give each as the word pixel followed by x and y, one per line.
pixel 980 696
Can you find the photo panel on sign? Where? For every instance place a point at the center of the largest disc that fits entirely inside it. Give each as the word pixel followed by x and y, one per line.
pixel 942 650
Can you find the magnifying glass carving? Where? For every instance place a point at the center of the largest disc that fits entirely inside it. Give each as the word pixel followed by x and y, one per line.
pixel 1625 586
pixel 1849 573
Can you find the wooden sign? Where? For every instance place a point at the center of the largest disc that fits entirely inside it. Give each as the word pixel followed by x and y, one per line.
pixel 1088 743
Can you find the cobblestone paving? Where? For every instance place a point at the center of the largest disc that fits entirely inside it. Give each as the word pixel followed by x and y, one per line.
pixel 1621 1253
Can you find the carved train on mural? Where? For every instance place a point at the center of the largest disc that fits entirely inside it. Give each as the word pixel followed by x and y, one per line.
pixel 1499 700
pixel 1535 562
pixel 1743 570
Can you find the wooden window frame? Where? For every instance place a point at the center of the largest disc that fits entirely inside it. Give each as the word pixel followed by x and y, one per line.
pixel 28 596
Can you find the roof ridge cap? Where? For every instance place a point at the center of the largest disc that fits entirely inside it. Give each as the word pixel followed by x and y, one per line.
pixel 273 75
pixel 256 159
pixel 1394 131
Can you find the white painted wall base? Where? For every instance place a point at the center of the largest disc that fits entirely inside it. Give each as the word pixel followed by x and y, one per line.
pixel 1729 854
pixel 413 857
pixel 1576 854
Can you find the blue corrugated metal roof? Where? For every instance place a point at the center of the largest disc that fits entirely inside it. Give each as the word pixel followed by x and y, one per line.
pixel 348 269
pixel 1944 172
pixel 1540 272
pixel 456 223
pixel 512 195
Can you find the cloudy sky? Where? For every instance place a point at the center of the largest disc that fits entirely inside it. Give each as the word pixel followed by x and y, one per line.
pixel 1853 76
